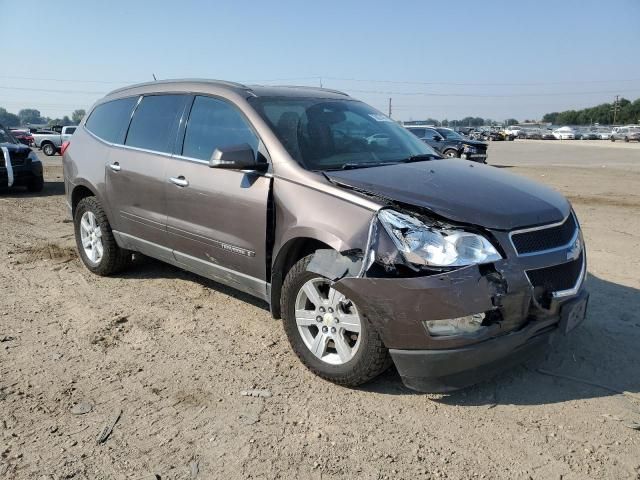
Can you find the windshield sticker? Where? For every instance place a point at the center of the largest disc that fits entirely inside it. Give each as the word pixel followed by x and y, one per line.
pixel 380 118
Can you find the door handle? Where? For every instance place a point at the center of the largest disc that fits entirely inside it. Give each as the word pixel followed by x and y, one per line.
pixel 179 181
pixel 115 167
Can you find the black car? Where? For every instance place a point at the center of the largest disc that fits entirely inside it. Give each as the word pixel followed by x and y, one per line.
pixel 19 165
pixel 451 144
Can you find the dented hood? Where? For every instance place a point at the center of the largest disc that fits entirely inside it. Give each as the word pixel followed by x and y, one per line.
pixel 461 191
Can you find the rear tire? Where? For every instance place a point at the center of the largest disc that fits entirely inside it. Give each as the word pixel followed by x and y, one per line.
pixel 35 185
pixel 112 259
pixel 48 149
pixel 370 357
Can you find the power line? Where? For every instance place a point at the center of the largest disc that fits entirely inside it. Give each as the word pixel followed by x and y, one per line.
pixel 498 84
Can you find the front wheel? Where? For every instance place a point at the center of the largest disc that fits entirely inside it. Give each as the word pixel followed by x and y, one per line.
pixel 97 247
pixel 35 185
pixel 451 154
pixel 626 139
pixel 327 331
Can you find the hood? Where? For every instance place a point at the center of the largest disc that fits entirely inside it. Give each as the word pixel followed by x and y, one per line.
pixel 462 191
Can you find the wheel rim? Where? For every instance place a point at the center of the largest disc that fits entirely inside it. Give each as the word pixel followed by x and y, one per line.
pixel 91 237
pixel 451 154
pixel 47 149
pixel 328 322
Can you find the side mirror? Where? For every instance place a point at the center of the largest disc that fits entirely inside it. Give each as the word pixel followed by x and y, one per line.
pixel 234 157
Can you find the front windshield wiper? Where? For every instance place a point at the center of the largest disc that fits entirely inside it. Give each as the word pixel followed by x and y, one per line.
pixel 421 158
pixel 353 166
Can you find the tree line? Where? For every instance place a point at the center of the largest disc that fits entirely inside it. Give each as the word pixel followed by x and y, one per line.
pixel 31 116
pixel 628 112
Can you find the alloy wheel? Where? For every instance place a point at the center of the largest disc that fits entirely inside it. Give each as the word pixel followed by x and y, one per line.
pixel 91 237
pixel 328 322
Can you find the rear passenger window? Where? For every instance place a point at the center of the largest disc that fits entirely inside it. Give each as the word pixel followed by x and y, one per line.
pixel 69 131
pixel 109 121
pixel 154 123
pixel 212 124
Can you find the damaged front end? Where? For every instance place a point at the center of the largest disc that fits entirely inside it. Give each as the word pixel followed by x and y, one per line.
pixel 453 303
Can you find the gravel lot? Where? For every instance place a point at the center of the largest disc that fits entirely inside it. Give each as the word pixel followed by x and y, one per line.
pixel 170 353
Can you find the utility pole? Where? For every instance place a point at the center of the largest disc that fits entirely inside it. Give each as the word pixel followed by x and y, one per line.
pixel 389 107
pixel 615 108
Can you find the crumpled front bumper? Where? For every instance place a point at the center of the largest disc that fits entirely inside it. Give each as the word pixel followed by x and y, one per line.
pixel 399 307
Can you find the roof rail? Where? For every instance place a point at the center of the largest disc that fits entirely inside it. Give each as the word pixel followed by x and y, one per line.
pixel 322 89
pixel 222 83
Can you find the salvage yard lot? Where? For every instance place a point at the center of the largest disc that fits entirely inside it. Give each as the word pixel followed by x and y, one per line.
pixel 173 351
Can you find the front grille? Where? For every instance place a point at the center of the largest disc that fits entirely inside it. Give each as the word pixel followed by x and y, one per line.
pixel 545 238
pixel 556 278
pixel 15 160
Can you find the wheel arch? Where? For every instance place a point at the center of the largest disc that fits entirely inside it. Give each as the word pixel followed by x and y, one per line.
pixel 291 252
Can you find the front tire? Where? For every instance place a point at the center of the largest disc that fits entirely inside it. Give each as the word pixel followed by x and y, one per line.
pixel 451 153
pixel 35 185
pixel 96 245
pixel 327 332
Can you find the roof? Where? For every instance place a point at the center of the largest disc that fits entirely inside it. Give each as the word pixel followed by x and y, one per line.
pixel 205 85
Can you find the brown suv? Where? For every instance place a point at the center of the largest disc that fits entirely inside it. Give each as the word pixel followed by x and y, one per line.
pixel 369 245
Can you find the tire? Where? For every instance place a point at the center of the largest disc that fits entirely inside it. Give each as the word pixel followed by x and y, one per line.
pixel 113 258
pixel 626 139
pixel 35 185
pixel 371 357
pixel 613 139
pixel 451 153
pixel 48 149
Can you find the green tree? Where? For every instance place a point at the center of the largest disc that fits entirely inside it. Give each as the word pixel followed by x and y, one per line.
pixel 8 119
pixel 30 115
pixel 77 116
pixel 510 121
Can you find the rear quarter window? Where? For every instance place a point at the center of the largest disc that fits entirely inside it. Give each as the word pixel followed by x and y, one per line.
pixel 109 121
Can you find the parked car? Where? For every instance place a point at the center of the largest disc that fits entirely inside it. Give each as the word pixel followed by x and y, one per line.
pixel 603 133
pixel 548 135
pixel 587 135
pixel 23 136
pixel 514 131
pixel 50 141
pixel 451 144
pixel 564 133
pixel 370 253
pixel 19 165
pixel 627 134
pixel 533 134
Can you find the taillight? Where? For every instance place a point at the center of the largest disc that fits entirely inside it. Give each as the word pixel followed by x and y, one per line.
pixel 64 147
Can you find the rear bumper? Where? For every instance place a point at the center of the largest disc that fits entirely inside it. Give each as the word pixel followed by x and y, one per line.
pixel 452 369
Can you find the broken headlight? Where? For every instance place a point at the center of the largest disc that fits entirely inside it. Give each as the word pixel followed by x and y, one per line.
pixel 421 244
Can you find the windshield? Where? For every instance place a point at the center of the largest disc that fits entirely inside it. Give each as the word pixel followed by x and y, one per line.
pixel 446 133
pixel 6 137
pixel 327 134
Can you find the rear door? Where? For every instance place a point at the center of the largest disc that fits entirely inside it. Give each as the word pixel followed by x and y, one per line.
pixel 216 218
pixel 136 173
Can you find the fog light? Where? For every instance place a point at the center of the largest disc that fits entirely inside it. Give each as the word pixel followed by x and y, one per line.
pixel 455 326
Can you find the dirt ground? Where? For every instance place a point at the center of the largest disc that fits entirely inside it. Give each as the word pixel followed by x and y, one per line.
pixel 169 353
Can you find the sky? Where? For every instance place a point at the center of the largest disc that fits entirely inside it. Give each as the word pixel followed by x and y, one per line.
pixel 440 59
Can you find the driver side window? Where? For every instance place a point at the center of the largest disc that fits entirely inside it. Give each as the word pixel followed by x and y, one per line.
pixel 214 124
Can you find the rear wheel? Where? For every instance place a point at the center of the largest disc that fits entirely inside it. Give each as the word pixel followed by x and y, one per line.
pixel 327 331
pixel 48 149
pixel 97 247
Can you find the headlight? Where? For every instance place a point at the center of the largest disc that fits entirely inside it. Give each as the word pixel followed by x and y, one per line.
pixel 470 149
pixel 424 245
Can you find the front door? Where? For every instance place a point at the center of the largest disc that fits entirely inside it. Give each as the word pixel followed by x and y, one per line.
pixel 216 218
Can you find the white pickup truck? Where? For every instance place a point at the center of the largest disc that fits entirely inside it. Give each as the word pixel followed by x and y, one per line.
pixel 50 142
